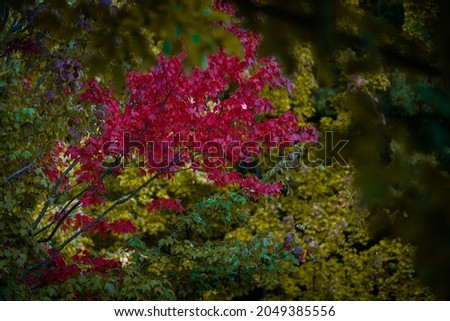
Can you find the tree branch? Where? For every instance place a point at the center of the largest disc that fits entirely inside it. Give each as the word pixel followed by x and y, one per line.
pixel 99 218
pixel 67 205
pixel 105 212
pixel 60 221
pixel 20 171
pixel 53 193
pixel 85 228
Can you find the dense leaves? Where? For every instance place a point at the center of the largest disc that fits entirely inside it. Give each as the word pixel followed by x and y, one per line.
pixel 206 121
pixel 382 73
pixel 140 161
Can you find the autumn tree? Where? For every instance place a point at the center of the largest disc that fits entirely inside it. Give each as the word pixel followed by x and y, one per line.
pixel 91 210
pixel 73 150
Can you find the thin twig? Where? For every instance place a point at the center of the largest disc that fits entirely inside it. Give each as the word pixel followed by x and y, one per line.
pixel 20 171
pixel 53 193
pixel 70 202
pixel 60 221
pixel 88 226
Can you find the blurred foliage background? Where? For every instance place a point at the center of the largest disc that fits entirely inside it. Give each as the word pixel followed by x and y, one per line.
pixel 382 77
pixel 374 73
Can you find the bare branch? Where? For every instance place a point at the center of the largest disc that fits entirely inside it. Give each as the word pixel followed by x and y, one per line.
pixel 60 221
pixel 98 218
pixel 23 169
pixel 105 212
pixel 95 221
pixel 67 205
pixel 53 193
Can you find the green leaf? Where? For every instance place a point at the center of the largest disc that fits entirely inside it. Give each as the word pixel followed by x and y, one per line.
pixel 135 256
pixel 166 242
pixel 8 206
pixel 197 218
pixel 166 47
pixel 28 111
pixel 109 287
pixel 26 154
pixel 51 291
pixel 195 38
pixel 43 183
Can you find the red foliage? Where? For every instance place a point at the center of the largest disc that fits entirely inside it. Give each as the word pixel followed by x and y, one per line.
pixel 26 84
pixel 225 6
pixel 119 226
pixel 59 271
pixel 103 227
pixel 122 227
pixel 254 188
pixel 223 179
pixel 170 205
pixel 166 120
pixel 169 117
pixel 95 264
pixel 24 47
